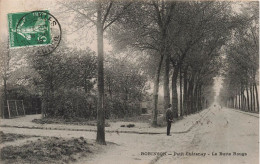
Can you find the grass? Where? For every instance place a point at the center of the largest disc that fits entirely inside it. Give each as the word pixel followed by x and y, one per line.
pixel 82 121
pixel 72 121
pixel 129 125
pixel 140 118
pixel 8 137
pixel 53 150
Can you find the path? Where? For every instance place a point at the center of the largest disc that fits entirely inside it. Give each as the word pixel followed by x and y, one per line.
pixel 140 128
pixel 229 132
pixel 131 145
pixel 220 130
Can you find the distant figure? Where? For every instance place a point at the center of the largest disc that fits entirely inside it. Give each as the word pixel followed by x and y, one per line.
pixel 169 119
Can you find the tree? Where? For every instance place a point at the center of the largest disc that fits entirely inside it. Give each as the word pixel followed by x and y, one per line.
pixel 125 85
pixel 66 68
pixel 152 19
pixel 242 62
pixel 4 70
pixel 181 26
pixel 102 14
pixel 193 24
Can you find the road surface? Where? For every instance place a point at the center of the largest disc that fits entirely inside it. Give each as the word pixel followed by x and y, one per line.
pixel 224 136
pixel 221 136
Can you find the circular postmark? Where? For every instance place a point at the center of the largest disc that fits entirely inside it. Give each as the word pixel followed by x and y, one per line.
pixel 39 31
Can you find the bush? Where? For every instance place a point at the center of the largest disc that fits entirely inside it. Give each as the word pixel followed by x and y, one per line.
pixel 130 125
pixel 117 108
pixel 72 103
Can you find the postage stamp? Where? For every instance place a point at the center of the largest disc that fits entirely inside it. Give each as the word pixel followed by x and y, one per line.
pixel 38 30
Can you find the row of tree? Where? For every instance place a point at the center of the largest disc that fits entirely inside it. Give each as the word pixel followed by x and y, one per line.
pixel 242 63
pixel 182 39
pixel 185 40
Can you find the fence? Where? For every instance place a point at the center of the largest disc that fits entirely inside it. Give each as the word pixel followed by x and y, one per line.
pixel 15 108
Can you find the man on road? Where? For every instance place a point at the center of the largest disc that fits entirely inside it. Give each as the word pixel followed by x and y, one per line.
pixel 169 119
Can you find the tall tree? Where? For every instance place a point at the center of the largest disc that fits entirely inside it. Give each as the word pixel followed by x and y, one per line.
pixel 152 19
pixel 102 14
pixel 4 72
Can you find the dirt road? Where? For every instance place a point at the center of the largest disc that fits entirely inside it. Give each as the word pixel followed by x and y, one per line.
pixel 221 136
pixel 225 136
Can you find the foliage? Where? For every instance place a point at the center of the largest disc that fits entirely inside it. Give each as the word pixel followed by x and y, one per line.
pixel 68 121
pixel 66 67
pixel 7 137
pixel 71 103
pixel 125 86
pixel 52 150
pixel 241 63
pixel 62 77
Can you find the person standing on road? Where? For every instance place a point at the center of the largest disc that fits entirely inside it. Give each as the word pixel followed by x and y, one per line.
pixel 169 119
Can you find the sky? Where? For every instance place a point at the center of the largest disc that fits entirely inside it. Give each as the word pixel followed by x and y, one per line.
pixel 217 85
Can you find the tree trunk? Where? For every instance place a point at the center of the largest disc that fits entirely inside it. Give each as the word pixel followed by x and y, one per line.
pixel 100 104
pixel 247 99
pixel 257 100
pixel 235 101
pixel 174 92
pixel 193 95
pixel 5 96
pixel 242 99
pixel 253 90
pixel 155 91
pixel 195 99
pixel 239 102
pixel 189 103
pixel 200 97
pixel 166 89
pixel 181 109
pixel 6 58
pixel 185 92
pixel 251 97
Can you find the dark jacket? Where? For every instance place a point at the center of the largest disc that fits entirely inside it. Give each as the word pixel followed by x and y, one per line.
pixel 169 114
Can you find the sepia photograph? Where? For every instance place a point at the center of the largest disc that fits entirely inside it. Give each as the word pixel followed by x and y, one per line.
pixel 129 82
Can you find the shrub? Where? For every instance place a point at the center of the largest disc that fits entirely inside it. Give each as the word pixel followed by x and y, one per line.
pixel 130 125
pixel 71 103
pixel 116 107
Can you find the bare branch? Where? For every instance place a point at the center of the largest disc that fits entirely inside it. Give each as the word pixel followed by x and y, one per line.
pixel 78 28
pixel 81 13
pixel 169 14
pixel 107 13
pixel 118 16
pixel 158 14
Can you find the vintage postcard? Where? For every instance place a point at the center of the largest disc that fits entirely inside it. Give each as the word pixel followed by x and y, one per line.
pixel 129 82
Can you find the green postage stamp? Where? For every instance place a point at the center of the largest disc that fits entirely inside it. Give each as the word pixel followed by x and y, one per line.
pixel 29 29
